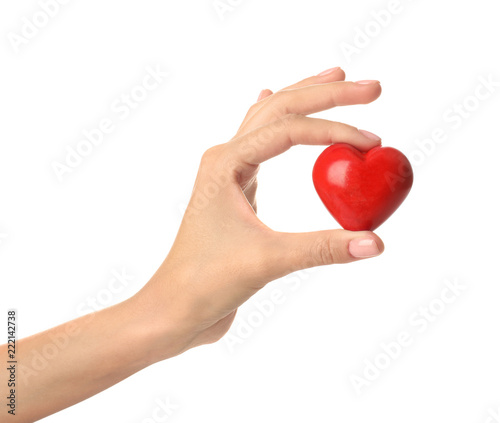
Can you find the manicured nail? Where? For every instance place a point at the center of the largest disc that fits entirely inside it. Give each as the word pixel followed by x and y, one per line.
pixel 363 248
pixel 261 95
pixel 367 81
pixel 328 71
pixel 370 135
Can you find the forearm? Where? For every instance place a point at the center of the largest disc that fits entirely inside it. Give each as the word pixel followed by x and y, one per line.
pixel 71 362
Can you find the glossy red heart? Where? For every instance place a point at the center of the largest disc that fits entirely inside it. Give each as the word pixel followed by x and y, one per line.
pixel 362 189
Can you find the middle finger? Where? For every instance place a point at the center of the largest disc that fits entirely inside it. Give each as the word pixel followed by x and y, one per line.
pixel 313 99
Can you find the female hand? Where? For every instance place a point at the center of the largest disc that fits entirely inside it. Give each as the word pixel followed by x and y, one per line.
pixel 223 253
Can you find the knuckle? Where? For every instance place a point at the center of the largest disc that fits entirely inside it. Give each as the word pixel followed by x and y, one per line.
pixel 253 108
pixel 277 104
pixel 290 120
pixel 326 251
pixel 216 163
pixel 335 92
pixel 258 104
pixel 212 155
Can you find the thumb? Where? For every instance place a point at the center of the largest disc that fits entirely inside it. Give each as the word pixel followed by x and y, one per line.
pixel 303 250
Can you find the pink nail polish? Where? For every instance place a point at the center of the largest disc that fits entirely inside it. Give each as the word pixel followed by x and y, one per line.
pixel 371 136
pixel 363 248
pixel 261 95
pixel 367 82
pixel 328 71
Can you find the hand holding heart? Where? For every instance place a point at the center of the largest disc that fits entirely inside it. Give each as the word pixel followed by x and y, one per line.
pixel 223 253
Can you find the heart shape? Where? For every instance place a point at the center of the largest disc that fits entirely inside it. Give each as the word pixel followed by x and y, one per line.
pixel 362 189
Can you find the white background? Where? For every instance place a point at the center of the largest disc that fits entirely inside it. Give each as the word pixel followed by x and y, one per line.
pixel 120 209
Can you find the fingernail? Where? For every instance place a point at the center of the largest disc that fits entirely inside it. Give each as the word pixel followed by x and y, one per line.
pixel 363 248
pixel 371 136
pixel 261 94
pixel 367 81
pixel 328 71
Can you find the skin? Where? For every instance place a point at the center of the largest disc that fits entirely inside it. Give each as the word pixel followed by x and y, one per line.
pixel 193 297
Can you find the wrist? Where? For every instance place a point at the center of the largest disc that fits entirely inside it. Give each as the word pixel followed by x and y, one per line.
pixel 160 329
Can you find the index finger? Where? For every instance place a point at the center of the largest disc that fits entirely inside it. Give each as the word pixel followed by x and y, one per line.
pixel 276 138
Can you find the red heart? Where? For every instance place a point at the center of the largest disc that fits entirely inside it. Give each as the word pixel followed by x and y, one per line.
pixel 361 190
